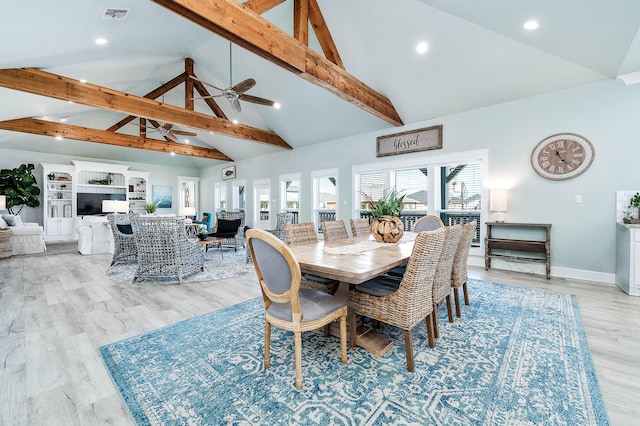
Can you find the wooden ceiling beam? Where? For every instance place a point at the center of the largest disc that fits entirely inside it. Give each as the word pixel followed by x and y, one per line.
pixel 322 34
pixel 301 21
pixel 244 27
pixel 261 6
pixel 67 131
pixel 43 83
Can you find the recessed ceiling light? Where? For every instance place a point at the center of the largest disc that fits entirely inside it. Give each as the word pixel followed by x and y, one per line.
pixel 234 121
pixel 422 47
pixel 277 105
pixel 82 80
pixel 531 25
pixel 173 153
pixel 100 41
pixel 186 141
pixel 59 138
pixel 64 118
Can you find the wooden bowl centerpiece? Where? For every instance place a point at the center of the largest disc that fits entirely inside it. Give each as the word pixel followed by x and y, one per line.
pixel 385 225
pixel 387 229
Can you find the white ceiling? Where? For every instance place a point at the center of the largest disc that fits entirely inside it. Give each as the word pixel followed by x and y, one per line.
pixel 479 55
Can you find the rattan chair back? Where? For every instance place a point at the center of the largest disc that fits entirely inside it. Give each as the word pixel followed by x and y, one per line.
pixel 459 276
pixel 124 244
pixel 360 227
pixel 283 219
pixel 300 233
pixel 334 230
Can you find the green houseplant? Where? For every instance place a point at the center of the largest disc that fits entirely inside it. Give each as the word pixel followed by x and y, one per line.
pixel 20 187
pixel 385 225
pixel 151 207
pixel 634 202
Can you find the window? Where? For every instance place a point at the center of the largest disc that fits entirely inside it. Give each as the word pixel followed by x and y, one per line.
pixel 239 198
pixel 290 194
pixel 261 197
pixel 450 186
pixel 325 196
pixel 220 196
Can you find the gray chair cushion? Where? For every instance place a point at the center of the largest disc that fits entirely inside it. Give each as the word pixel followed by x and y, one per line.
pixel 380 286
pixel 319 279
pixel 313 305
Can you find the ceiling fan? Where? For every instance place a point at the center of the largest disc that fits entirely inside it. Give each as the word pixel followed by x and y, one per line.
pixel 236 93
pixel 165 130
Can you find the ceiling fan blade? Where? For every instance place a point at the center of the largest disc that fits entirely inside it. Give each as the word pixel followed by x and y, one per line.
pixel 183 133
pixel 235 103
pixel 243 86
pixel 208 97
pixel 257 100
pixel 167 126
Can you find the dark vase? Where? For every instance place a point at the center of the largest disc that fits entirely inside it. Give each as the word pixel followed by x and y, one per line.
pixel 202 236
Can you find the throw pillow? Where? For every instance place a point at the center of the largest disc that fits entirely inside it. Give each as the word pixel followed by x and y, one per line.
pixel 12 220
pixel 125 229
pixel 227 226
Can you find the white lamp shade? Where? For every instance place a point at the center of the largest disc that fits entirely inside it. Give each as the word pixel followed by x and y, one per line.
pixel 3 202
pixel 187 211
pixel 498 200
pixel 115 206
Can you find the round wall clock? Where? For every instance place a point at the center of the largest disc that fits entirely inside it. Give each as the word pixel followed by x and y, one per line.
pixel 562 156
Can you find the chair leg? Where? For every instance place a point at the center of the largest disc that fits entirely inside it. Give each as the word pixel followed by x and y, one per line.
pixel 343 338
pixel 408 347
pixel 267 343
pixel 456 298
pixel 352 328
pixel 429 321
pixel 449 308
pixel 436 331
pixel 298 356
pixel 466 294
pixel 327 330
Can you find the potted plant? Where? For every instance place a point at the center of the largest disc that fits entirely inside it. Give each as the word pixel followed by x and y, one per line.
pixel 634 203
pixel 151 207
pixel 385 224
pixel 20 187
pixel 201 231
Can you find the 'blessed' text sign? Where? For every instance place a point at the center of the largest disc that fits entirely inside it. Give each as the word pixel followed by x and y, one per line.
pixel 411 141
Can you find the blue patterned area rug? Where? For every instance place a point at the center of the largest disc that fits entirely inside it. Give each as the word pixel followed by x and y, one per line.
pixel 217 266
pixel 518 356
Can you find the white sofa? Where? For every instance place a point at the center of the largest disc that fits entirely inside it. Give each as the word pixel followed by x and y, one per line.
pixel 94 235
pixel 26 238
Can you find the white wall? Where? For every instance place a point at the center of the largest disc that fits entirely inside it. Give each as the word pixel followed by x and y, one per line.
pixel 583 246
pixel 159 175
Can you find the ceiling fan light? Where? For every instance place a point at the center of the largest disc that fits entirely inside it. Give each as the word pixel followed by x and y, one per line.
pixel 422 47
pixel 531 25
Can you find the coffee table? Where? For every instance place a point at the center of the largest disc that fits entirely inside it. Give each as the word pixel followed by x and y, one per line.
pixel 212 241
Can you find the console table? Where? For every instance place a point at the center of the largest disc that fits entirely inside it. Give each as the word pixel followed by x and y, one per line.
pixel 505 246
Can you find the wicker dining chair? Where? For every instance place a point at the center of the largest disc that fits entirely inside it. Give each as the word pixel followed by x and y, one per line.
pixel 124 243
pixel 427 223
pixel 334 230
pixel 442 279
pixel 360 227
pixel 459 276
pixel 286 305
pixel 305 233
pixel 164 250
pixel 409 304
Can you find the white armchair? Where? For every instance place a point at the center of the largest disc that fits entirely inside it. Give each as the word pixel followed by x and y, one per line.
pixel 26 238
pixel 94 235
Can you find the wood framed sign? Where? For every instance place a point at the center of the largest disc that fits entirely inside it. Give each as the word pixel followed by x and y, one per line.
pixel 411 141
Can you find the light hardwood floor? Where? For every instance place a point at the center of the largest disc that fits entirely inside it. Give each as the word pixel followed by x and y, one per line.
pixel 56 310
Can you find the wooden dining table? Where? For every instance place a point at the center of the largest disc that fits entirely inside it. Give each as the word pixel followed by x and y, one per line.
pixel 352 261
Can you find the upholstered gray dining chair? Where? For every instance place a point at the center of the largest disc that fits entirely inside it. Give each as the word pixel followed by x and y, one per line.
pixel 286 305
pixel 427 223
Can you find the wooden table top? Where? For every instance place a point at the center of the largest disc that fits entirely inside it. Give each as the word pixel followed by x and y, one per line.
pixel 353 268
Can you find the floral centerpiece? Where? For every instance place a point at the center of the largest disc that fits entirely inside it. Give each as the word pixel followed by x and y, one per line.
pixel 201 231
pixel 385 225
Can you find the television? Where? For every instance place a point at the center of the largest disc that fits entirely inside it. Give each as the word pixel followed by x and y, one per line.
pixel 89 203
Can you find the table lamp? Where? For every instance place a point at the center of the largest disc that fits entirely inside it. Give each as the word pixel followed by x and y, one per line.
pixel 187 212
pixel 498 203
pixel 114 206
pixel 3 202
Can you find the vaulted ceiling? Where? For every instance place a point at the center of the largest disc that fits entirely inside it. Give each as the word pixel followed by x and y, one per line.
pixel 479 55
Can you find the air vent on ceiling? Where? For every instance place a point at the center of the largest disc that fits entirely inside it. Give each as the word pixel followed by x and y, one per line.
pixel 111 13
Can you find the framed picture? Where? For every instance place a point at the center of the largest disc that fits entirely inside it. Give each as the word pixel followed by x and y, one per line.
pixel 411 141
pixel 162 196
pixel 229 173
